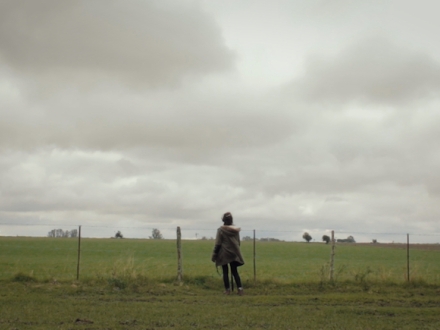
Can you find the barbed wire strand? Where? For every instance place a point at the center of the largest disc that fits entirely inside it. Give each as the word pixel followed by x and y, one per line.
pixel 212 230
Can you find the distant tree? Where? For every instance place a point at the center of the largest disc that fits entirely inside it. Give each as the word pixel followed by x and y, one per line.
pixel 374 241
pixel 307 237
pixel 119 234
pixel 269 239
pixel 349 239
pixel 247 238
pixel 156 234
pixel 62 233
pixel 57 233
pixel 326 239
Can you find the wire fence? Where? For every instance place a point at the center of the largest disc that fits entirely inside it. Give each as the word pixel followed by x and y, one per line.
pixel 168 232
pixel 259 237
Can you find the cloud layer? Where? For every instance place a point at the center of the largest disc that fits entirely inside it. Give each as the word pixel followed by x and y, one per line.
pixel 371 71
pixel 148 114
pixel 151 43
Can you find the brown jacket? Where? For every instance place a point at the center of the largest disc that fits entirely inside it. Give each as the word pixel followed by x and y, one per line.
pixel 227 246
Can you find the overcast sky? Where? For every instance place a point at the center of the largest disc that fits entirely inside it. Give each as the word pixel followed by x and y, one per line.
pixel 293 115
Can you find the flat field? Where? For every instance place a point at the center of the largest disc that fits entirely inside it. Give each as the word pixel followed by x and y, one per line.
pixel 131 284
pixel 48 259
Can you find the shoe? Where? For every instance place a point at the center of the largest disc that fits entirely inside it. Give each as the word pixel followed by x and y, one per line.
pixel 240 292
pixel 227 292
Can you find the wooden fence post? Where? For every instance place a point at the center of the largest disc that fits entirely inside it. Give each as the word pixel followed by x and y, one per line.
pixel 407 257
pixel 255 267
pixel 79 253
pixel 179 256
pixel 332 256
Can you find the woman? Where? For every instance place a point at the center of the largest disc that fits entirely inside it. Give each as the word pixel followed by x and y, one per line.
pixel 227 252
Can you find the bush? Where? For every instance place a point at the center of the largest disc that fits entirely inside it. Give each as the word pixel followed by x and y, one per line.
pixel 21 277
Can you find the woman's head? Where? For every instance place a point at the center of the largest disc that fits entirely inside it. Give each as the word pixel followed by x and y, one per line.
pixel 227 218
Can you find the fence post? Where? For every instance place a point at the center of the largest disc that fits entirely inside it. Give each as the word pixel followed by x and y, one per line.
pixel 179 256
pixel 79 253
pixel 332 256
pixel 407 257
pixel 255 267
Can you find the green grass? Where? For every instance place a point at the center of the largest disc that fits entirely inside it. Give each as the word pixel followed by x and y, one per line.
pixel 130 284
pixel 170 306
pixel 48 259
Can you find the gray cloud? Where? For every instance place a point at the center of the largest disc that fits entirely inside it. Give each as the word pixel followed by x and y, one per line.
pixel 205 126
pixel 137 42
pixel 91 132
pixel 374 70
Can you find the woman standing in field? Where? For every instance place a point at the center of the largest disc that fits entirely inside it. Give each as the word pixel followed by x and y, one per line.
pixel 227 252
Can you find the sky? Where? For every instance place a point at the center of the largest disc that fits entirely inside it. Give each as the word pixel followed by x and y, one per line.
pixel 293 115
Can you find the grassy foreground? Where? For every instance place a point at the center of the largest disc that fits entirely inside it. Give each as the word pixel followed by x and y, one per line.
pixel 170 306
pixel 130 284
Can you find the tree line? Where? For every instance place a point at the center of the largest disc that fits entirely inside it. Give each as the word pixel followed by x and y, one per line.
pixel 155 234
pixel 326 239
pixel 63 233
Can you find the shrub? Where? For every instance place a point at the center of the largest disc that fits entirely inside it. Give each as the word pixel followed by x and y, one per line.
pixel 22 277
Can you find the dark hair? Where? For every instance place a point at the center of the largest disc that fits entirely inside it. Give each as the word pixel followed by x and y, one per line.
pixel 227 218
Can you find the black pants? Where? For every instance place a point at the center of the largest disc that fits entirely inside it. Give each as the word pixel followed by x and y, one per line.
pixel 234 273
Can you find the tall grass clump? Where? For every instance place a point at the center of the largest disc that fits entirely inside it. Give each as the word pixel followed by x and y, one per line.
pixel 22 277
pixel 125 274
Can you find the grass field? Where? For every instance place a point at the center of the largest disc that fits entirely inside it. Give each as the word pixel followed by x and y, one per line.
pixel 130 284
pixel 46 259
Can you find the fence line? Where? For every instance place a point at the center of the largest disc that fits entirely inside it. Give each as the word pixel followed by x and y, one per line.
pixel 295 230
pixel 180 275
pixel 254 238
